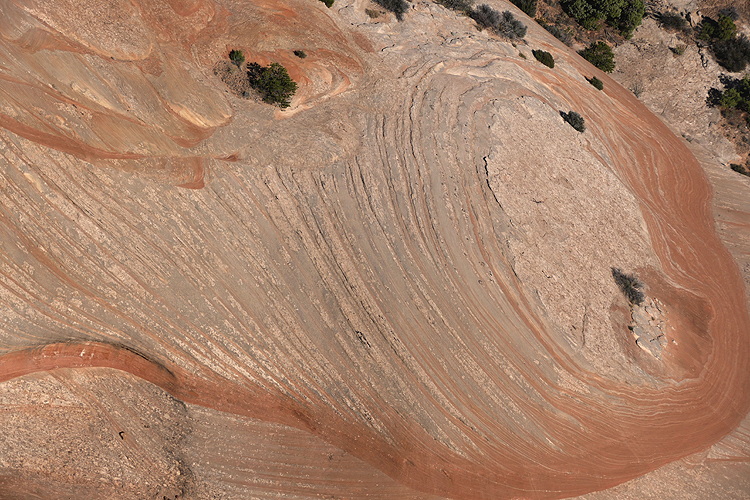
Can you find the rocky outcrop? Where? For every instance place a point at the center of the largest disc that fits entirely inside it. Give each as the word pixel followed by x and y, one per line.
pixel 399 287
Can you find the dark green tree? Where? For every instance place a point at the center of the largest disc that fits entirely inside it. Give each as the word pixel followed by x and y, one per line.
pixel 596 83
pixel 273 82
pixel 237 57
pixel 398 7
pixel 527 6
pixel 600 55
pixel 624 15
pixel 544 57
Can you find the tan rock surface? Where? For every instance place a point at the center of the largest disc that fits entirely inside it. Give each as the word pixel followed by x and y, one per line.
pixel 393 273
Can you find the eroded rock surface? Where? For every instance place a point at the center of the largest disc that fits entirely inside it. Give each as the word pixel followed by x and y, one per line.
pixel 400 287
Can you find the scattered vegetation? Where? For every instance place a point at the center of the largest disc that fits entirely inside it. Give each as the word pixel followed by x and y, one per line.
pixel 722 30
pixel 637 89
pixel 273 82
pixel 740 169
pixel 596 82
pixel 522 55
pixel 562 34
pixel 329 3
pixel 574 120
pixel 672 21
pixel 300 53
pixel 629 285
pixel 372 14
pixel 600 55
pixel 733 54
pixel 623 15
pixel 398 7
pixel 544 57
pixel 678 49
pixel 463 6
pixel 731 51
pixel 237 57
pixel 505 24
pixel 527 6
pixel 736 94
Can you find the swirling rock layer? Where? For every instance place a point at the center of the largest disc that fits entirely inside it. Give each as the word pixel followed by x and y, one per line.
pixel 408 274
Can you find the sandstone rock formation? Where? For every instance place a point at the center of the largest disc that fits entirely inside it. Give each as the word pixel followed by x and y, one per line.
pixel 398 288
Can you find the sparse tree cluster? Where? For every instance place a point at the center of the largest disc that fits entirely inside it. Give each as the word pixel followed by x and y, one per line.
pixel 672 21
pixel 563 34
pixel 527 6
pixel 623 15
pixel 505 24
pixel 732 51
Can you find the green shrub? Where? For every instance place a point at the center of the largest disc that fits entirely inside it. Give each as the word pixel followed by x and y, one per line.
pixel 505 24
pixel 672 21
pixel 630 17
pixel 629 285
pixel 739 169
pixel 722 30
pixel 398 7
pixel 574 120
pixel 624 15
pixel 733 54
pixel 564 35
pixel 736 95
pixel 596 83
pixel 678 49
pixel 544 57
pixel 329 3
pixel 527 6
pixel 237 57
pixel 273 82
pixel 457 5
pixel 600 55
pixel 300 53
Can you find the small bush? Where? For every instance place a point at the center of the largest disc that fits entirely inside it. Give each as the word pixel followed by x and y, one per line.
pixel 596 83
pixel 574 120
pixel 739 169
pixel 457 5
pixel 505 24
pixel 522 55
pixel 563 35
pixel 600 55
pixel 398 7
pixel 372 14
pixel 485 16
pixel 629 285
pixel 273 82
pixel 730 12
pixel 329 3
pixel 637 88
pixel 237 57
pixel 544 57
pixel 678 49
pixel 733 54
pixel 672 21
pixel 527 6
pixel 300 53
